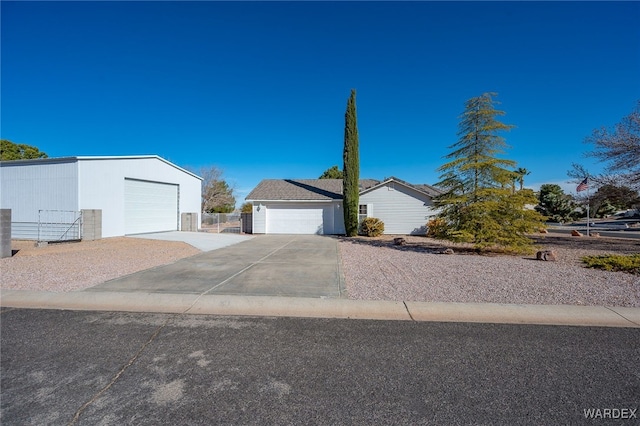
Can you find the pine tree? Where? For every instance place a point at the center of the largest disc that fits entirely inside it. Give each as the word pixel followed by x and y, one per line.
pixel 554 204
pixel 480 204
pixel 351 168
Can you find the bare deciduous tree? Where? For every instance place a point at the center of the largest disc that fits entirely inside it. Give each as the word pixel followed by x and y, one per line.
pixel 620 148
pixel 217 194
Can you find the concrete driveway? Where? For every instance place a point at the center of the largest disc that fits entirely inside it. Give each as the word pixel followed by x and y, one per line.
pixel 201 240
pixel 267 265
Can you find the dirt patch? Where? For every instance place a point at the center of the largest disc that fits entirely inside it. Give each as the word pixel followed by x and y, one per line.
pixel 79 265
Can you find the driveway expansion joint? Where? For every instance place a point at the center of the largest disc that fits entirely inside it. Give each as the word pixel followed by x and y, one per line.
pixel 236 274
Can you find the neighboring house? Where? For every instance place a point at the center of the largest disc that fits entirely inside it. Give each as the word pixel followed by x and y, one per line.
pixel 314 206
pixel 134 194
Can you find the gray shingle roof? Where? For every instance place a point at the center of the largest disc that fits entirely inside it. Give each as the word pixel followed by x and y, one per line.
pixel 429 190
pixel 297 189
pixel 317 189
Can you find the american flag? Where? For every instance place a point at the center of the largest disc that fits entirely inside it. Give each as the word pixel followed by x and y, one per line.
pixel 583 185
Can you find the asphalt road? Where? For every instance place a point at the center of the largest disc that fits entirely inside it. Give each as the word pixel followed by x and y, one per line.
pixel 92 368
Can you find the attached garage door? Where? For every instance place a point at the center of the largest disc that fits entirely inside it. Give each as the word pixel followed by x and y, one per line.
pixel 150 206
pixel 297 218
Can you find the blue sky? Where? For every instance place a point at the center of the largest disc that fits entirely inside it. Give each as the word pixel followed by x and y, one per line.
pixel 260 88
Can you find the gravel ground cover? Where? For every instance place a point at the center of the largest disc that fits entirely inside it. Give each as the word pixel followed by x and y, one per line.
pixel 75 266
pixel 376 269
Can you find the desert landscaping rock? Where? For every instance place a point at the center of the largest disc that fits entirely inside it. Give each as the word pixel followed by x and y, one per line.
pixel 76 266
pixel 378 270
pixel 374 269
pixel 399 241
pixel 547 255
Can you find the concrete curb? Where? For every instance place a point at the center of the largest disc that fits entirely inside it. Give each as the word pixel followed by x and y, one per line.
pixel 300 307
pixel 600 316
pixel 595 316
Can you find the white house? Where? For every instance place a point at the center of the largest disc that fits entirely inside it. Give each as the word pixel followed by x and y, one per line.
pixel 404 208
pixel 135 194
pixel 304 206
pixel 314 206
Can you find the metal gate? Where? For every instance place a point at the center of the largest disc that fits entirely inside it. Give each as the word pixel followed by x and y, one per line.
pixel 59 225
pixel 221 222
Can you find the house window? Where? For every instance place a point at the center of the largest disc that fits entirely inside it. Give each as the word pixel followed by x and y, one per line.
pixel 362 212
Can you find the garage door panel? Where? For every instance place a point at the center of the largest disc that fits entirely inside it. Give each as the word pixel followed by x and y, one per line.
pixel 298 219
pixel 150 206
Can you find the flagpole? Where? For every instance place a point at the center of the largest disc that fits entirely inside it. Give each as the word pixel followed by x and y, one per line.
pixel 588 202
pixel 581 187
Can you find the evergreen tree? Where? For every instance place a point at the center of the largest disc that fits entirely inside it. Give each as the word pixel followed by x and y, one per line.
pixel 351 168
pixel 554 203
pixel 15 151
pixel 480 204
pixel 331 173
pixel 610 198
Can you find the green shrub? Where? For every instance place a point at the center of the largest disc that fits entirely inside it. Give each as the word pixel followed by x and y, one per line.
pixel 615 262
pixel 437 228
pixel 372 227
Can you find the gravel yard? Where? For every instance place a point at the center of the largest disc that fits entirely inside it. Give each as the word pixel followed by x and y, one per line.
pixel 376 269
pixel 75 266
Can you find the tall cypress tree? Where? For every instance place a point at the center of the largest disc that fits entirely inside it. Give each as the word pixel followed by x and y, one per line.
pixel 351 168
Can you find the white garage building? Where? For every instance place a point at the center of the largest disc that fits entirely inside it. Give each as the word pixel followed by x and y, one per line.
pixel 299 206
pixel 135 194
pixel 314 206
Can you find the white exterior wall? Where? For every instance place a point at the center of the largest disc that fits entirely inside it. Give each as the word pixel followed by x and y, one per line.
pixel 101 186
pixel 259 218
pixel 333 217
pixel 338 218
pixel 28 187
pixel 403 210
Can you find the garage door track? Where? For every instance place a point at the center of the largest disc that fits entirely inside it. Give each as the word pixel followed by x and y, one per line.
pixel 269 265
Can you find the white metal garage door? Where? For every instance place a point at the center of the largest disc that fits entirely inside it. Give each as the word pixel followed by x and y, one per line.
pixel 297 218
pixel 150 206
